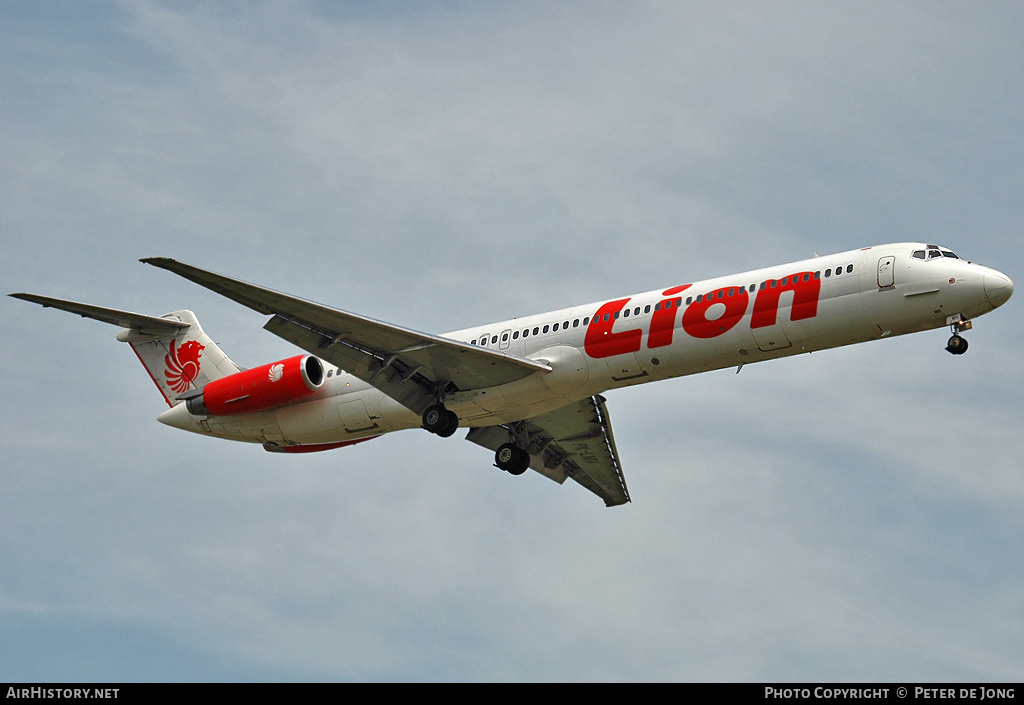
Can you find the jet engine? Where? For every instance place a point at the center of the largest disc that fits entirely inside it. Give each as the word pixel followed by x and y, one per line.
pixel 259 389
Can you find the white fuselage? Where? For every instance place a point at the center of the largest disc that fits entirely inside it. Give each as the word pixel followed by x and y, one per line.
pixel 730 321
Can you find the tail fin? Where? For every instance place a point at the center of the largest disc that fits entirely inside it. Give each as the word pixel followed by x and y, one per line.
pixel 180 361
pixel 173 348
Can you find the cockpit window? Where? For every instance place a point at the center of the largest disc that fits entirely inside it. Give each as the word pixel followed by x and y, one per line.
pixel 934 252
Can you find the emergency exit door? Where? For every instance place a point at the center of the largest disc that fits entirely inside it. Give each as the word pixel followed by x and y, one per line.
pixel 887 272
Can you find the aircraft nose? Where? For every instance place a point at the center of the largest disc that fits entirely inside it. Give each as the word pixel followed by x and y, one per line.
pixel 998 287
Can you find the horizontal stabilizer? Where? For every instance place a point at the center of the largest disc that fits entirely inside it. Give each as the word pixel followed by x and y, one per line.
pixel 151 325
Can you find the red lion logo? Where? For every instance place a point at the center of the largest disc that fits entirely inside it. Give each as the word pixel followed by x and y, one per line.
pixel 182 365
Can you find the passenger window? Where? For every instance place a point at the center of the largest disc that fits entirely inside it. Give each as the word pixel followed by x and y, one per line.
pixel 586 321
pixel 515 336
pixel 849 269
pixel 647 308
pixel 494 340
pixel 545 329
pixel 565 325
pixel 536 331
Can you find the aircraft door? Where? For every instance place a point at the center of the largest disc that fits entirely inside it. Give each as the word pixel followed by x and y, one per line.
pixel 887 272
pixel 505 339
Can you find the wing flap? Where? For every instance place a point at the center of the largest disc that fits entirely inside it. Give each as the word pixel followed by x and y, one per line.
pixel 572 441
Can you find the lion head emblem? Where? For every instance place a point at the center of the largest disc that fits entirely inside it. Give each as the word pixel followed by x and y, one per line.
pixel 182 364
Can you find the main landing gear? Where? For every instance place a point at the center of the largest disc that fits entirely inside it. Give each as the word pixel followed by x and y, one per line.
pixel 509 457
pixel 439 420
pixel 958 324
pixel 512 459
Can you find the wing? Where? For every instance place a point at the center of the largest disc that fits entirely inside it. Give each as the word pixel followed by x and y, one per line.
pixel 408 366
pixel 125 319
pixel 573 441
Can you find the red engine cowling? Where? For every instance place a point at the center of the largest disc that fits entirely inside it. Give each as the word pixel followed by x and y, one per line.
pixel 259 389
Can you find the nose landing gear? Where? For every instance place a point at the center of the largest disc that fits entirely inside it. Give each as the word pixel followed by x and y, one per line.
pixel 956 344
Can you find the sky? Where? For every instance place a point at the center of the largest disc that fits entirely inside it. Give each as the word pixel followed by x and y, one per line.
pixel 852 515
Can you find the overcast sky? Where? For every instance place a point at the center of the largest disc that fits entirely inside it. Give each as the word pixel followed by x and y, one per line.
pixel 857 514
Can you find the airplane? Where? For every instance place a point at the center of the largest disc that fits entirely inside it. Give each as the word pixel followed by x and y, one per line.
pixel 530 389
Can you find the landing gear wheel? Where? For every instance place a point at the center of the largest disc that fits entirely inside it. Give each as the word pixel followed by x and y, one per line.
pixel 438 419
pixel 512 459
pixel 957 345
pixel 453 425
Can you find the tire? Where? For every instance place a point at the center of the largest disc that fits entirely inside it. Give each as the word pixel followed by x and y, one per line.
pixel 436 419
pixel 512 459
pixel 957 345
pixel 453 425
